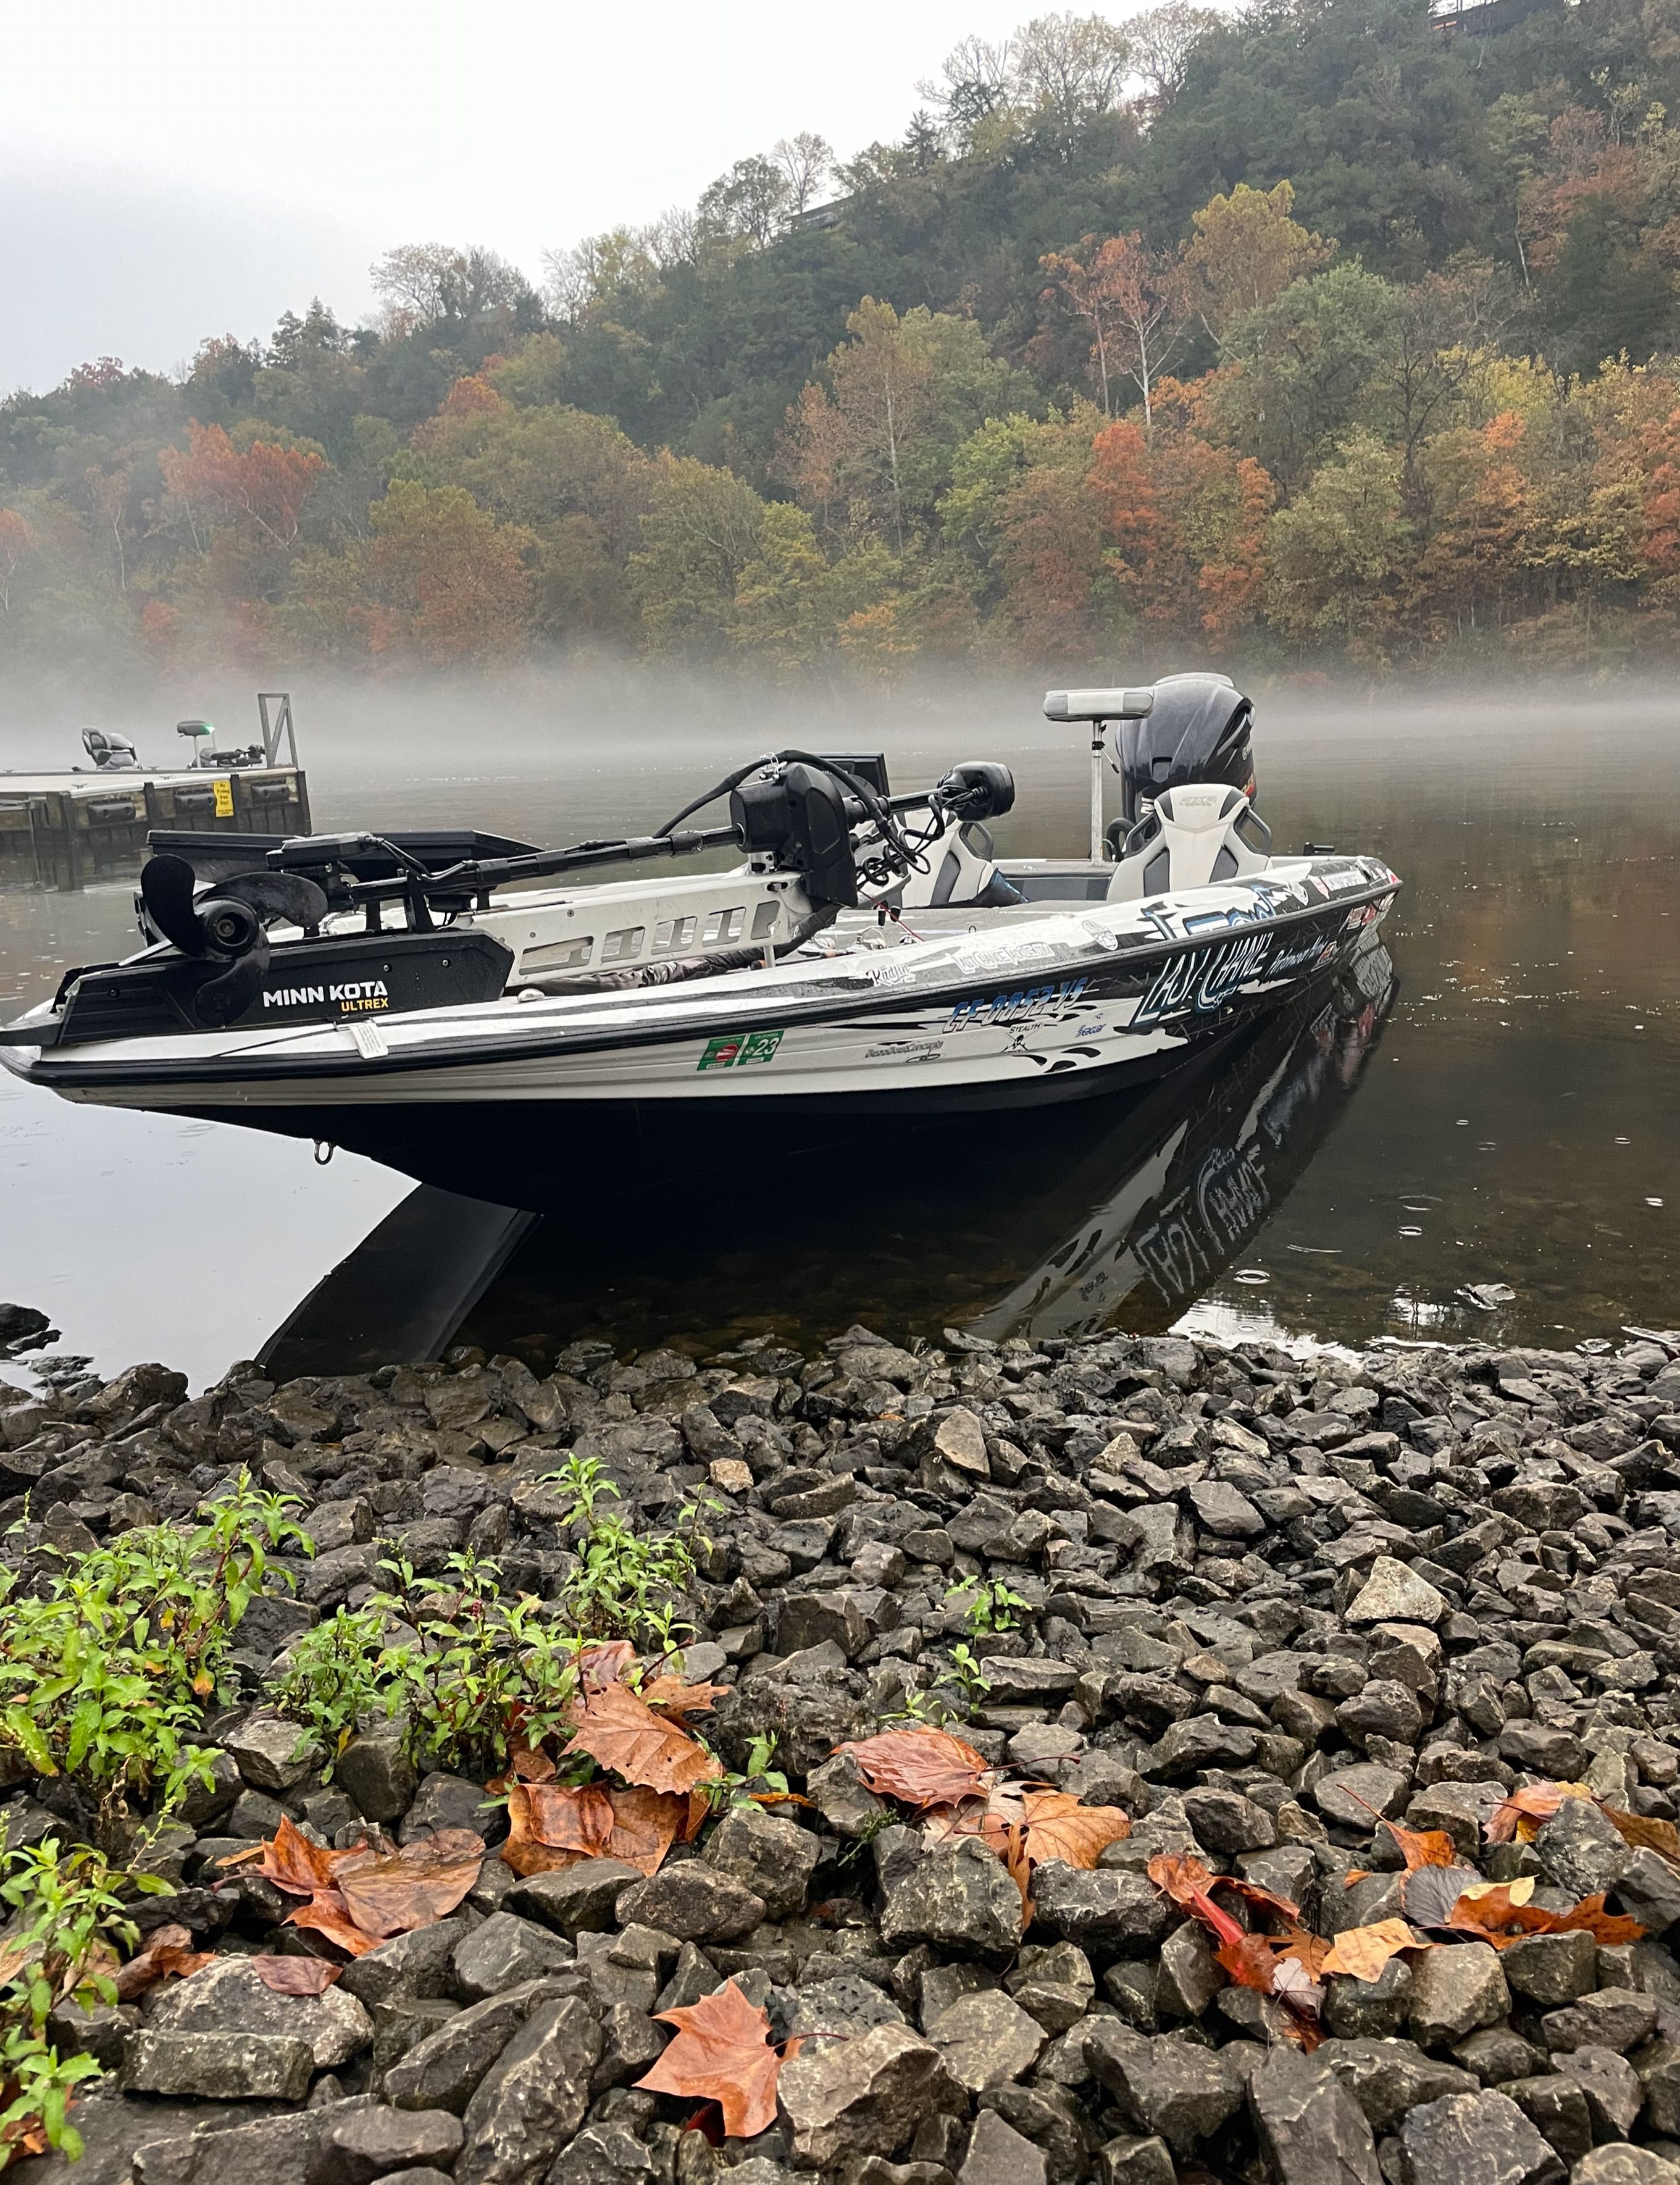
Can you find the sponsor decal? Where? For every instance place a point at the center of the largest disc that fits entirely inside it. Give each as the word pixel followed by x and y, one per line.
pixel 732 1050
pixel 905 1050
pixel 1203 979
pixel 1308 951
pixel 1026 1005
pixel 351 997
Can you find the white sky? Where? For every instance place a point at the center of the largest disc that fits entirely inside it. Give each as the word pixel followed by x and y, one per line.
pixel 176 168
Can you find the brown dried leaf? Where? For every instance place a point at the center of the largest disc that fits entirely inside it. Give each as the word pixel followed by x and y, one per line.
pixel 620 1732
pixel 169 1952
pixel 675 1701
pixel 921 1766
pixel 1521 1815
pixel 551 1827
pixel 645 1826
pixel 295 1976
pixel 1056 1826
pixel 722 2054
pixel 413 1887
pixel 1183 1878
pixel 1363 1952
pixel 293 1863
pixel 1499 1915
pixel 1647 1835
pixel 327 1913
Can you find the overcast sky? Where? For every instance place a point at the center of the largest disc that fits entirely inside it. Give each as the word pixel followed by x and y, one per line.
pixel 182 168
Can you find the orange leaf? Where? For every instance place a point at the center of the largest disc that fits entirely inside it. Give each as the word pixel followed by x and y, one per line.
pixel 921 1766
pixel 1418 1847
pixel 293 1863
pixel 1492 1916
pixel 168 1952
pixel 1058 1826
pixel 645 1826
pixel 1363 1952
pixel 618 1731
pixel 1523 1812
pixel 413 1887
pixel 722 2054
pixel 1306 1950
pixel 671 1697
pixel 295 1976
pixel 1183 1878
pixel 550 1826
pixel 327 1915
pixel 600 1667
pixel 1660 1836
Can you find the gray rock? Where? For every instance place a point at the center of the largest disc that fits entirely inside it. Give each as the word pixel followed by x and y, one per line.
pixel 1455 1989
pixel 1557 2109
pixel 1123 1913
pixel 775 1858
pixel 441 2070
pixel 580 1901
pixel 228 1997
pixel 694 1902
pixel 1190 1978
pixel 378 1776
pixel 1394 1594
pixel 1622 2166
pixel 221 2067
pixel 1581 1850
pixel 1134 2160
pixel 270 1753
pixel 408 1966
pixel 959 1899
pixel 1387 2078
pixel 1311 2128
pixel 502 1952
pixel 1612 2088
pixel 1552 1968
pixel 1649 1889
pixel 816 1619
pixel 998 2154
pixel 1200 1742
pixel 1357 2009
pixel 1616 2018
pixel 986 2040
pixel 863 2096
pixel 1226 1821
pixel 839 1795
pixel 1222 1511
pixel 1475 2139
pixel 1337 1794
pixel 451 1802
pixel 611 2154
pixel 1165 2086
pixel 532 2098
pixel 354 2150
pixel 198 2150
pixel 845 2005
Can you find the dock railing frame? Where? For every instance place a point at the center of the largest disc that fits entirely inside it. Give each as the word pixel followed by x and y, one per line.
pixel 278 726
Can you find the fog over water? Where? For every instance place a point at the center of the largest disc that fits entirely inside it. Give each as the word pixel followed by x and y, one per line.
pixel 1515 1120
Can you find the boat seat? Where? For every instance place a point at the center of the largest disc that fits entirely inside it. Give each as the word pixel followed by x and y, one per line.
pixel 1192 836
pixel 961 869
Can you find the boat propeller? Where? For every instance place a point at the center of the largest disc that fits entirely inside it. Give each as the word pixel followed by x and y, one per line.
pixel 226 925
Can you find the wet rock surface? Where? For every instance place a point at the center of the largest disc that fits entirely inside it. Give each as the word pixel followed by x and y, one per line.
pixel 1262 1603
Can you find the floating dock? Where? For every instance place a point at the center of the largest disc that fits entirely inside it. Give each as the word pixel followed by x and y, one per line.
pixel 84 816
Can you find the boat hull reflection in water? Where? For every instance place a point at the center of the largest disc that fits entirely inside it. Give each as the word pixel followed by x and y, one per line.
pixel 1121 1215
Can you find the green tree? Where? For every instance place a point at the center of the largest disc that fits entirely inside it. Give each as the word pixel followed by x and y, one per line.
pixel 702 529
pixel 1337 551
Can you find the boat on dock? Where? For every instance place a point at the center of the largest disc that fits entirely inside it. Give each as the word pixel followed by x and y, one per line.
pixel 869 955
pixel 82 815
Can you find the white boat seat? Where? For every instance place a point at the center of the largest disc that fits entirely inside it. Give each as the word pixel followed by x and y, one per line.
pixel 1192 836
pixel 961 869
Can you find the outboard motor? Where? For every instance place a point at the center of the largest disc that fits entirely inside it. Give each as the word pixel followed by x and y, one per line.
pixel 1198 730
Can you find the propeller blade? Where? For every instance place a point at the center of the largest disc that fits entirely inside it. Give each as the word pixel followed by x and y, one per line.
pixel 166 887
pixel 219 1001
pixel 287 896
pixel 230 927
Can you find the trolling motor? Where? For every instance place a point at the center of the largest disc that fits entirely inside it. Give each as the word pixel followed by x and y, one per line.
pixel 228 926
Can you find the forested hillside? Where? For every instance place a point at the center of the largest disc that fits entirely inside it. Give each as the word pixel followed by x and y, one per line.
pixel 1321 331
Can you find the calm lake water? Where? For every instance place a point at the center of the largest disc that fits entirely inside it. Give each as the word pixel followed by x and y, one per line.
pixel 1505 1112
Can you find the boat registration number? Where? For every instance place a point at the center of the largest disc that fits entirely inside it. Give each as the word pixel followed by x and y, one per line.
pixel 734 1049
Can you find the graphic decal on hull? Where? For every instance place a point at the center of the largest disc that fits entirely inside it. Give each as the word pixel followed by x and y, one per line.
pixel 1203 979
pixel 732 1049
pixel 1026 1005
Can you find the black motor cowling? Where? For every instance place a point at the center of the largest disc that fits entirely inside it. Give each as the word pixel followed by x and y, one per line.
pixel 1198 730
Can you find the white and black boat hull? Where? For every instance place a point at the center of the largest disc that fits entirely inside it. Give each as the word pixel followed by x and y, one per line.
pixel 1004 1013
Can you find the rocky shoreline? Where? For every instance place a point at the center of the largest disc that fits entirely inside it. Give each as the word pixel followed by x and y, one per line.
pixel 1264 1606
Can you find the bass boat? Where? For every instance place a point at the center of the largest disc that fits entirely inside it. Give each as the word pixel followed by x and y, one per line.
pixel 868 954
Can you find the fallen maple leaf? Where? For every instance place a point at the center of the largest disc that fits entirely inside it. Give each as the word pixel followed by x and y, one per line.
pixel 1362 1952
pixel 722 2052
pixel 1418 1847
pixel 292 1861
pixel 1055 1826
pixel 1499 1915
pixel 620 1732
pixel 645 1824
pixel 605 1665
pixel 921 1766
pixel 1521 1816
pixel 294 1975
pixel 393 1893
pixel 552 1826
pixel 671 1697
pixel 1182 1877
pixel 169 1952
pixel 1645 1834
